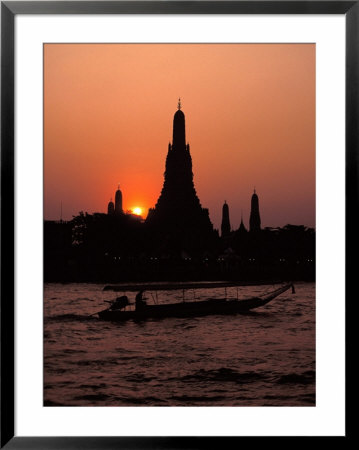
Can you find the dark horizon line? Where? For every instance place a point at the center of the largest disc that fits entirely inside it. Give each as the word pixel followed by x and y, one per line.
pixel 104 213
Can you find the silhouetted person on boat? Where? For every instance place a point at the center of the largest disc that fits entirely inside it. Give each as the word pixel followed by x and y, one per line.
pixel 120 302
pixel 140 301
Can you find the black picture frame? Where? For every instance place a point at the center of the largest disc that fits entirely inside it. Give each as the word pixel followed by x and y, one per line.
pixel 9 9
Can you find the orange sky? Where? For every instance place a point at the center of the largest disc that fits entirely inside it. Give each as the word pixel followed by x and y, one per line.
pixel 250 122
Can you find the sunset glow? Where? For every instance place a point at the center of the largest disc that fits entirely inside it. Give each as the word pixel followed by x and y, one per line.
pixel 137 210
pixel 250 121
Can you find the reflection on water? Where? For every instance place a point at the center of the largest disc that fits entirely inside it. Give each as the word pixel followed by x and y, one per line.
pixel 266 357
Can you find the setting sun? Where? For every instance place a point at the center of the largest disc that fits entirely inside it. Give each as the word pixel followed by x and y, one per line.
pixel 137 210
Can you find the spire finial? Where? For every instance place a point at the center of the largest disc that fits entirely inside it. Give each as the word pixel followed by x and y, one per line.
pixel 118 186
pixel 254 189
pixel 179 103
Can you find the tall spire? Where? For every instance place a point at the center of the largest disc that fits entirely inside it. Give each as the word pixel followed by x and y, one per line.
pixel 242 228
pixel 254 219
pixel 118 201
pixel 179 131
pixel 110 208
pixel 225 226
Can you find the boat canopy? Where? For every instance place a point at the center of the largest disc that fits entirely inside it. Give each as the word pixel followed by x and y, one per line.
pixel 178 286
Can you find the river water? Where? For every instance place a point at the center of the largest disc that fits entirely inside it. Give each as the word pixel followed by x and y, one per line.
pixel 263 358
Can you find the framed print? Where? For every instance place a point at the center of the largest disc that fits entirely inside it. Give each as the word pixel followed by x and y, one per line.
pixel 178 187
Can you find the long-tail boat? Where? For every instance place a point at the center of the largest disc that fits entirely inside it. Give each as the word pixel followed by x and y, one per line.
pixel 121 309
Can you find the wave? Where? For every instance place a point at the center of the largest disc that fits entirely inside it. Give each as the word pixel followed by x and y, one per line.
pixel 138 377
pixel 223 374
pixel 70 318
pixel 51 403
pixel 309 398
pixel 197 399
pixel 93 397
pixel 307 377
pixel 93 386
pixel 110 361
pixel 150 400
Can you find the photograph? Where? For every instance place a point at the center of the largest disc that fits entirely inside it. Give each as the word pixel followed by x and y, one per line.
pixel 179 205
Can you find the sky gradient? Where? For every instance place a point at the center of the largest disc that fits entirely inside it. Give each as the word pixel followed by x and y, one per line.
pixel 250 122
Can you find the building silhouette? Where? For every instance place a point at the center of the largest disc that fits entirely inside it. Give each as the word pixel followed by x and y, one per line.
pixel 111 208
pixel 178 213
pixel 254 219
pixel 242 229
pixel 118 202
pixel 225 226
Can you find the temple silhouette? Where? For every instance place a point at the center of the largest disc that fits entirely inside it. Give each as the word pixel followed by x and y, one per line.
pixel 177 240
pixel 178 215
